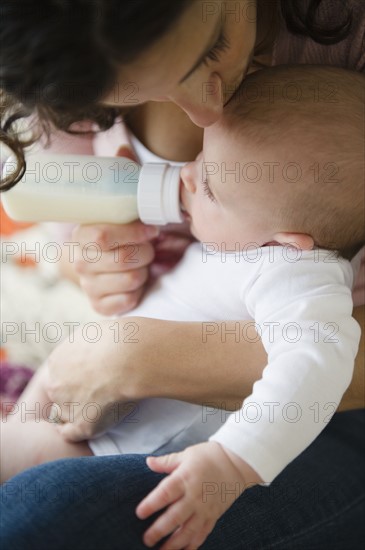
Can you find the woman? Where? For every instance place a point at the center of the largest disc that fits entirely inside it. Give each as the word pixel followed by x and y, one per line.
pixel 179 70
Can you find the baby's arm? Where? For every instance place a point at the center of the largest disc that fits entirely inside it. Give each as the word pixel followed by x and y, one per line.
pixel 28 437
pixel 303 312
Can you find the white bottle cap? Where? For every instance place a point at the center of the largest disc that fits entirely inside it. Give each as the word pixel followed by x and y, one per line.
pixel 158 195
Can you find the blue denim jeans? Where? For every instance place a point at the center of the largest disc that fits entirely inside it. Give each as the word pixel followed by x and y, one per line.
pixel 89 503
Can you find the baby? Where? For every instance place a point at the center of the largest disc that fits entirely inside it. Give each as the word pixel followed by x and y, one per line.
pixel 276 200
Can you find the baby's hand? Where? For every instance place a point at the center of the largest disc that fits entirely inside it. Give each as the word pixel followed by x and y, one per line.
pixel 204 482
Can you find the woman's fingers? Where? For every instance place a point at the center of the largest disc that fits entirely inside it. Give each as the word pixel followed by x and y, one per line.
pixel 115 280
pixel 111 261
pixel 115 292
pixel 124 258
pixel 117 304
pixel 110 236
pixel 72 433
pixel 104 285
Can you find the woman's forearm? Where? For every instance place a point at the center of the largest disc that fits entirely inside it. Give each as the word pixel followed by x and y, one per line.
pixel 197 362
pixel 215 363
pixel 212 364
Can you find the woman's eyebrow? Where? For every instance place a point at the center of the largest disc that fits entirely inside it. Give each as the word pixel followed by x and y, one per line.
pixel 213 39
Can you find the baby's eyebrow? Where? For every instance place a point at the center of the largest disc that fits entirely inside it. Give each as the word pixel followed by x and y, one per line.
pixel 213 39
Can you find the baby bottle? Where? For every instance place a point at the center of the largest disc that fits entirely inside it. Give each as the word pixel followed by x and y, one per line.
pixel 88 189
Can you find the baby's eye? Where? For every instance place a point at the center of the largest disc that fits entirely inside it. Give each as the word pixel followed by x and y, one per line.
pixel 219 47
pixel 208 192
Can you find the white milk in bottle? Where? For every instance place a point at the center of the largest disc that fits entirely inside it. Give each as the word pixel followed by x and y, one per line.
pixel 88 189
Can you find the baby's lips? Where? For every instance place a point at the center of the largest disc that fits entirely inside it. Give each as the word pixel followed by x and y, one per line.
pixel 186 216
pixel 183 208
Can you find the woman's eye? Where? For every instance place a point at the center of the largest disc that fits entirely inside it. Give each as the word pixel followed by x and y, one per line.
pixel 207 191
pixel 220 46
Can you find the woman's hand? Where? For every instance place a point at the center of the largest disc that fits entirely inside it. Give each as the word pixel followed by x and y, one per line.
pixel 116 281
pixel 90 377
pixel 203 482
pixel 99 372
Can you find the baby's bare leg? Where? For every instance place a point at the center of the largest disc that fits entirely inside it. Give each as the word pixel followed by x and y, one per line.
pixel 28 438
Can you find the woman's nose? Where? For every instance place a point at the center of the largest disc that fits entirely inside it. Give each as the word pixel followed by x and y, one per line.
pixel 202 102
pixel 187 175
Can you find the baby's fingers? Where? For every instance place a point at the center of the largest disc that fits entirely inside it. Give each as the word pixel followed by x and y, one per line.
pixel 167 491
pixel 189 536
pixel 175 516
pixel 164 464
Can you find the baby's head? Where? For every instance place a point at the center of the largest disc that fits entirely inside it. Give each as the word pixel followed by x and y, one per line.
pixel 284 164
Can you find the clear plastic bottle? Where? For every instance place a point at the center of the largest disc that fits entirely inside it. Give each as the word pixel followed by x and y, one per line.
pixel 89 189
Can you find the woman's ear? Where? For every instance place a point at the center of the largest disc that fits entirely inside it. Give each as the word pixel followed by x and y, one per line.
pixel 296 240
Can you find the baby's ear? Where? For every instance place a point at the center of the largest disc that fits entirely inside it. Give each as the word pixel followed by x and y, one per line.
pixel 296 240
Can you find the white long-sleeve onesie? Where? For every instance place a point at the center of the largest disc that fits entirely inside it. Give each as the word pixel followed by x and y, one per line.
pixel 302 308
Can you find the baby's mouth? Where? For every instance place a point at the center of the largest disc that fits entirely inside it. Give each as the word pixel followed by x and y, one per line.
pixel 185 213
pixel 183 208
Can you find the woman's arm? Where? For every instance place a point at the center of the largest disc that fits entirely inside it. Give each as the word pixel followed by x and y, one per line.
pixel 215 363
pixel 136 358
pixel 220 370
pixel 119 361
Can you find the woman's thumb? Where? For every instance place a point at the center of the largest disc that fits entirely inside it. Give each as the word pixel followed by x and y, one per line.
pixel 69 433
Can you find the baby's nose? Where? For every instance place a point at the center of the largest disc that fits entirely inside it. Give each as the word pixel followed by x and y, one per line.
pixel 188 176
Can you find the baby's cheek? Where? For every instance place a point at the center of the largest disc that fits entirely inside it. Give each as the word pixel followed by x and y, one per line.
pixel 200 229
pixel 210 231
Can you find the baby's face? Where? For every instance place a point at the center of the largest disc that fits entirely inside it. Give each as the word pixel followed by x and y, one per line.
pixel 222 205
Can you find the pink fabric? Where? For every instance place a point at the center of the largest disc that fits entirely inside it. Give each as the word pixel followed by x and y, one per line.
pixel 349 53
pixel 13 380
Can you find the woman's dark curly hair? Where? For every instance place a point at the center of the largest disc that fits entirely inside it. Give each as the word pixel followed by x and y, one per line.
pixel 59 57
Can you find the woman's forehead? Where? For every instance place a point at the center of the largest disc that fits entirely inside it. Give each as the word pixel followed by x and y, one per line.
pixel 160 69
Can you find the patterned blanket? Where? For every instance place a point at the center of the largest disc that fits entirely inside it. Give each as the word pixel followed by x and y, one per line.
pixel 36 304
